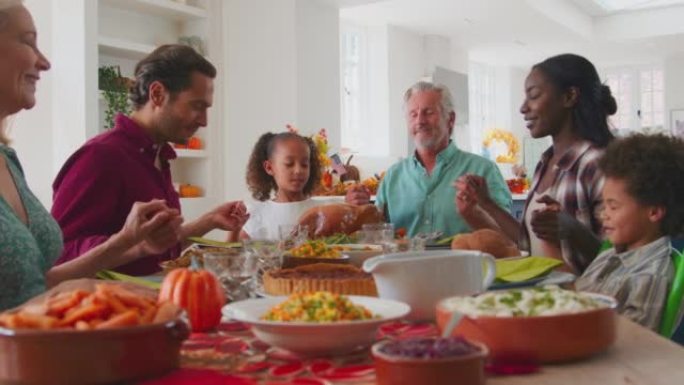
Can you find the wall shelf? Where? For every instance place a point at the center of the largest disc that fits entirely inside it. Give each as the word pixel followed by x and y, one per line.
pixel 183 153
pixel 163 8
pixel 122 48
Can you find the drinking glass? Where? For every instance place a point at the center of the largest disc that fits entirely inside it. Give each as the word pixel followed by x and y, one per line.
pixel 376 233
pixel 292 235
pixel 417 244
pixel 234 269
pixel 267 254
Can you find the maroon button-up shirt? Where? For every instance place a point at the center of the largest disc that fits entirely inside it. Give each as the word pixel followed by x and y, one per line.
pixel 97 186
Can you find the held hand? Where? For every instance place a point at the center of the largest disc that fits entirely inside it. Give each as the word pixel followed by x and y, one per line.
pixel 358 195
pixel 230 216
pixel 480 188
pixel 163 238
pixel 546 223
pixel 152 222
pixel 465 198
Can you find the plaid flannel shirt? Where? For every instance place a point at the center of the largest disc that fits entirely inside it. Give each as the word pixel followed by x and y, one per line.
pixel 638 279
pixel 577 185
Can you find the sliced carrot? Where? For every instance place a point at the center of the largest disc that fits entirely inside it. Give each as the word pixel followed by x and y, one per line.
pixel 61 303
pixel 148 315
pixel 83 313
pixel 129 298
pixel 129 318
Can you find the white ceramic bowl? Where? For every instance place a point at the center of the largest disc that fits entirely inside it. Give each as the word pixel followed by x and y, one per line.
pixel 315 339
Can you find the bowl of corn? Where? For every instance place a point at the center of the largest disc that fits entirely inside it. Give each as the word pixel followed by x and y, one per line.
pixel 310 324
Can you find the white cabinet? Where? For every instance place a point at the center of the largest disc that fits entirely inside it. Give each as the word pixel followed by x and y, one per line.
pixel 128 30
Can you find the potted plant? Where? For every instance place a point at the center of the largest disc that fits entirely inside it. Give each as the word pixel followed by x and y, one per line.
pixel 114 88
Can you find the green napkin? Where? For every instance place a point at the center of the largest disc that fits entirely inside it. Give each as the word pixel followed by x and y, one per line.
pixel 523 269
pixel 211 242
pixel 114 276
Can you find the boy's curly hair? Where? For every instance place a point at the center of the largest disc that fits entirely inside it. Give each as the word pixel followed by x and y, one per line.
pixel 652 167
pixel 260 183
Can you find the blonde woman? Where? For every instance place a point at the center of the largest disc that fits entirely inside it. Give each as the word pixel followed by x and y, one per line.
pixel 30 239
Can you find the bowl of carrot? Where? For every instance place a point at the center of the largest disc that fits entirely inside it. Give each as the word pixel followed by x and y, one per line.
pixel 87 332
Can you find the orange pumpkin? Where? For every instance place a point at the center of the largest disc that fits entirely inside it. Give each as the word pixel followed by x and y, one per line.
pixel 195 143
pixel 189 191
pixel 199 293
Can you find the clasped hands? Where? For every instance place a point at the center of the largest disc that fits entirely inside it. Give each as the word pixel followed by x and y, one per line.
pixel 155 227
pixel 547 223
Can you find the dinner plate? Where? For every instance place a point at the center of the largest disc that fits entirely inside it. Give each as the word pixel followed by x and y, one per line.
pixel 552 278
pixel 316 339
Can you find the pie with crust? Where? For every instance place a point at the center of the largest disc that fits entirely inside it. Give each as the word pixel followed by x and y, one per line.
pixel 332 277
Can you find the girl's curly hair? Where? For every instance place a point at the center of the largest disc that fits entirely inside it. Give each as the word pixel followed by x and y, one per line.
pixel 260 183
pixel 652 168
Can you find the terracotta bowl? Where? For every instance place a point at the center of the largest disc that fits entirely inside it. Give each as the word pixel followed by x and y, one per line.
pixel 90 357
pixel 397 370
pixel 541 339
pixel 290 261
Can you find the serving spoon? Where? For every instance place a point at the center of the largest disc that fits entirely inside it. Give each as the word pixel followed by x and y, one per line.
pixel 452 323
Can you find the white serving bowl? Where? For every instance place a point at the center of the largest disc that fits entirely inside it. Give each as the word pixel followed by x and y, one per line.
pixel 316 339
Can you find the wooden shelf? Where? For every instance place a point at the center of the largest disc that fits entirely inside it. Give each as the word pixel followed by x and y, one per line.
pixel 123 48
pixel 163 8
pixel 183 153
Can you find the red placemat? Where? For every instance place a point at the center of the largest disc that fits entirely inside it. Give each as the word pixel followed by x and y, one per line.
pixel 233 356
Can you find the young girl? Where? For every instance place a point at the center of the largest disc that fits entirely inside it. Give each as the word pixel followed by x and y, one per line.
pixel 288 164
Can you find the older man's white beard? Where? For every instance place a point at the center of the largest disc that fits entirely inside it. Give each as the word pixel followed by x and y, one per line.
pixel 432 143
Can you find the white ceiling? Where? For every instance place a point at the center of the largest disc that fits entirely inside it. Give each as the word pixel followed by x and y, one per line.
pixel 608 7
pixel 522 32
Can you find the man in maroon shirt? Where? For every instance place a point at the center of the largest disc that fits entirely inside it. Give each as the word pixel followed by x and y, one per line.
pixel 97 186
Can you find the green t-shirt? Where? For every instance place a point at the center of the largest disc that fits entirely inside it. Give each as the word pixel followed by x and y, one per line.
pixel 423 203
pixel 26 251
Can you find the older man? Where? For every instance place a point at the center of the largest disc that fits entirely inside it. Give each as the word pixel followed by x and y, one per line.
pixel 98 184
pixel 417 193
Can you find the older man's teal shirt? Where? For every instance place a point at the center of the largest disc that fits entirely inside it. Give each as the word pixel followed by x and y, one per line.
pixel 424 203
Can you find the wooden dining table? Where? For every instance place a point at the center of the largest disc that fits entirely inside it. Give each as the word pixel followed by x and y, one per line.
pixel 639 356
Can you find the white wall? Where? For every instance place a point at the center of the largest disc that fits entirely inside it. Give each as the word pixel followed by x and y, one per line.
pixel 260 68
pixel 318 68
pixel 378 93
pixel 75 104
pixel 405 67
pixel 517 96
pixel 282 66
pixel 31 131
pixel 510 95
pixel 437 53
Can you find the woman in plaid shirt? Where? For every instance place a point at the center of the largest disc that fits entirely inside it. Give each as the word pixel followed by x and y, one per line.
pixel 564 99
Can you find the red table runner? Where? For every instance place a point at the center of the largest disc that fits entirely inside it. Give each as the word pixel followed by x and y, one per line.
pixel 233 356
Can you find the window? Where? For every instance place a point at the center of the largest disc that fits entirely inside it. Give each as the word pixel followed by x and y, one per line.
pixel 353 48
pixel 620 84
pixel 482 100
pixel 639 93
pixel 652 111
